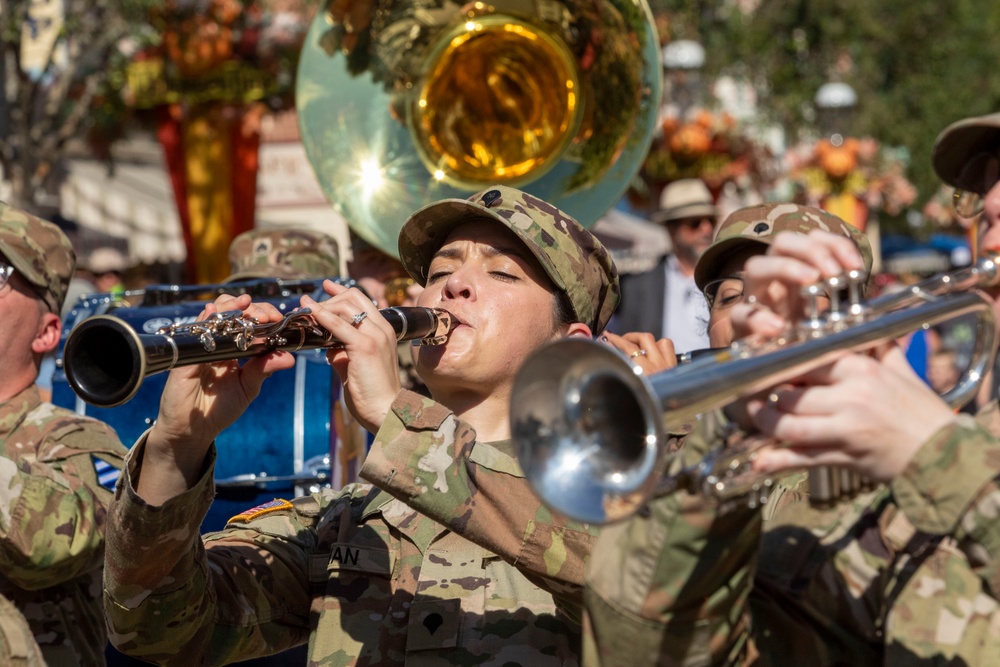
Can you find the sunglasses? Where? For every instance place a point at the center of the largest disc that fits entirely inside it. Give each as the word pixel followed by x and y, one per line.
pixel 692 223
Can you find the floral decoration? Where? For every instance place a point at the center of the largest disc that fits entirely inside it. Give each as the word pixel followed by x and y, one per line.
pixel 940 211
pixel 859 167
pixel 707 145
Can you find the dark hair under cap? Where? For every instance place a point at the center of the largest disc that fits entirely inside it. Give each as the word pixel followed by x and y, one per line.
pixel 576 262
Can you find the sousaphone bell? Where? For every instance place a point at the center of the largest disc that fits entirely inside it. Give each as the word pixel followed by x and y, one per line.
pixel 402 103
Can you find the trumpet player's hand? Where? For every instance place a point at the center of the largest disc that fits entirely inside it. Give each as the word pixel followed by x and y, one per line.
pixel 772 282
pixel 198 403
pixel 651 355
pixel 867 412
pixel 367 363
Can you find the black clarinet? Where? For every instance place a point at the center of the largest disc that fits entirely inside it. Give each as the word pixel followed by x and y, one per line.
pixel 106 359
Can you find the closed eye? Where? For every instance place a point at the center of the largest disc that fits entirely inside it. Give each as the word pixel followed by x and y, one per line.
pixel 726 300
pixel 437 275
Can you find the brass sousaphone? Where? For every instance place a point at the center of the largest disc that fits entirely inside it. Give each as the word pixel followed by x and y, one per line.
pixel 404 102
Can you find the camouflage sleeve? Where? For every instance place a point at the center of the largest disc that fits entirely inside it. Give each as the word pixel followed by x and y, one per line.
pixel 428 459
pixel 672 586
pixel 988 416
pixel 171 598
pixel 53 506
pixel 18 647
pixel 952 487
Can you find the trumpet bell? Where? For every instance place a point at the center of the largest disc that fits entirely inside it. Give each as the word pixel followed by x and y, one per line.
pixel 587 430
pixel 589 427
pixel 401 104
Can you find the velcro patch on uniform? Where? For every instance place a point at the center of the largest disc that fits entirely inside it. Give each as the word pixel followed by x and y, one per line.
pixel 374 560
pixel 433 624
pixel 107 474
pixel 275 505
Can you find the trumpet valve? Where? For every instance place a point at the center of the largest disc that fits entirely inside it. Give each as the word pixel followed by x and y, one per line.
pixel 856 280
pixel 845 308
pixel 729 478
pixel 824 487
pixel 813 324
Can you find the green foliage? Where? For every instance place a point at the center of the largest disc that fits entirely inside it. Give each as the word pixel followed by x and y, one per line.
pixel 49 88
pixel 917 65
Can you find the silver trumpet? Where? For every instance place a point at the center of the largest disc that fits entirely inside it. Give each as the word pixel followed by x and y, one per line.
pixel 590 428
pixel 106 360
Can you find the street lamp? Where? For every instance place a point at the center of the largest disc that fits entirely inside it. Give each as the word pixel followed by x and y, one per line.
pixel 683 61
pixel 835 104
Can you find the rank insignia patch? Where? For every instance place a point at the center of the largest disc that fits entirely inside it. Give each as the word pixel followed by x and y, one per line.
pixel 107 474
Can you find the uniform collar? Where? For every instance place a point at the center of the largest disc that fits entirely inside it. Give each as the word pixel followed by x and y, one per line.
pixel 14 409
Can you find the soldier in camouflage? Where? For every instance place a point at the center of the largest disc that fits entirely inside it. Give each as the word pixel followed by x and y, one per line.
pixel 905 574
pixel 289 253
pixel 18 647
pixel 58 469
pixel 749 232
pixel 452 561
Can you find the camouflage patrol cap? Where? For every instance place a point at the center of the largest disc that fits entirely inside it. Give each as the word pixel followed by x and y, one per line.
pixel 757 225
pixel 578 264
pixel 39 251
pixel 964 151
pixel 290 253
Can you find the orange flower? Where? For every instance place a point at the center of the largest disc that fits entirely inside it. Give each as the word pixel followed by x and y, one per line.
pixel 690 141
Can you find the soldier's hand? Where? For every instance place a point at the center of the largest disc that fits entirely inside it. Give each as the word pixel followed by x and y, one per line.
pixel 367 363
pixel 867 412
pixel 772 282
pixel 651 355
pixel 199 402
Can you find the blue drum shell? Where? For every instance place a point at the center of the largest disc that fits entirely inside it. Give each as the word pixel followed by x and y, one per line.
pixel 286 432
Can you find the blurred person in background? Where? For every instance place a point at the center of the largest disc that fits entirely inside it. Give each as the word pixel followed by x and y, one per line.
pixel 665 301
pixel 107 267
pixel 380 275
pixel 286 253
pixel 79 285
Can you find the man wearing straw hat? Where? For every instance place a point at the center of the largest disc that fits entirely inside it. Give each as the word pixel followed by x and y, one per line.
pixel 665 301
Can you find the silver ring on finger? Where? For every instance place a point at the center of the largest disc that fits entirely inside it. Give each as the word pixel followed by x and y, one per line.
pixel 772 400
pixel 358 319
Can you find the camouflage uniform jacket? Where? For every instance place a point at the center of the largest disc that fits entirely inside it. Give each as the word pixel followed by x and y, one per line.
pixel 906 574
pixel 57 469
pixel 18 647
pixel 361 576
